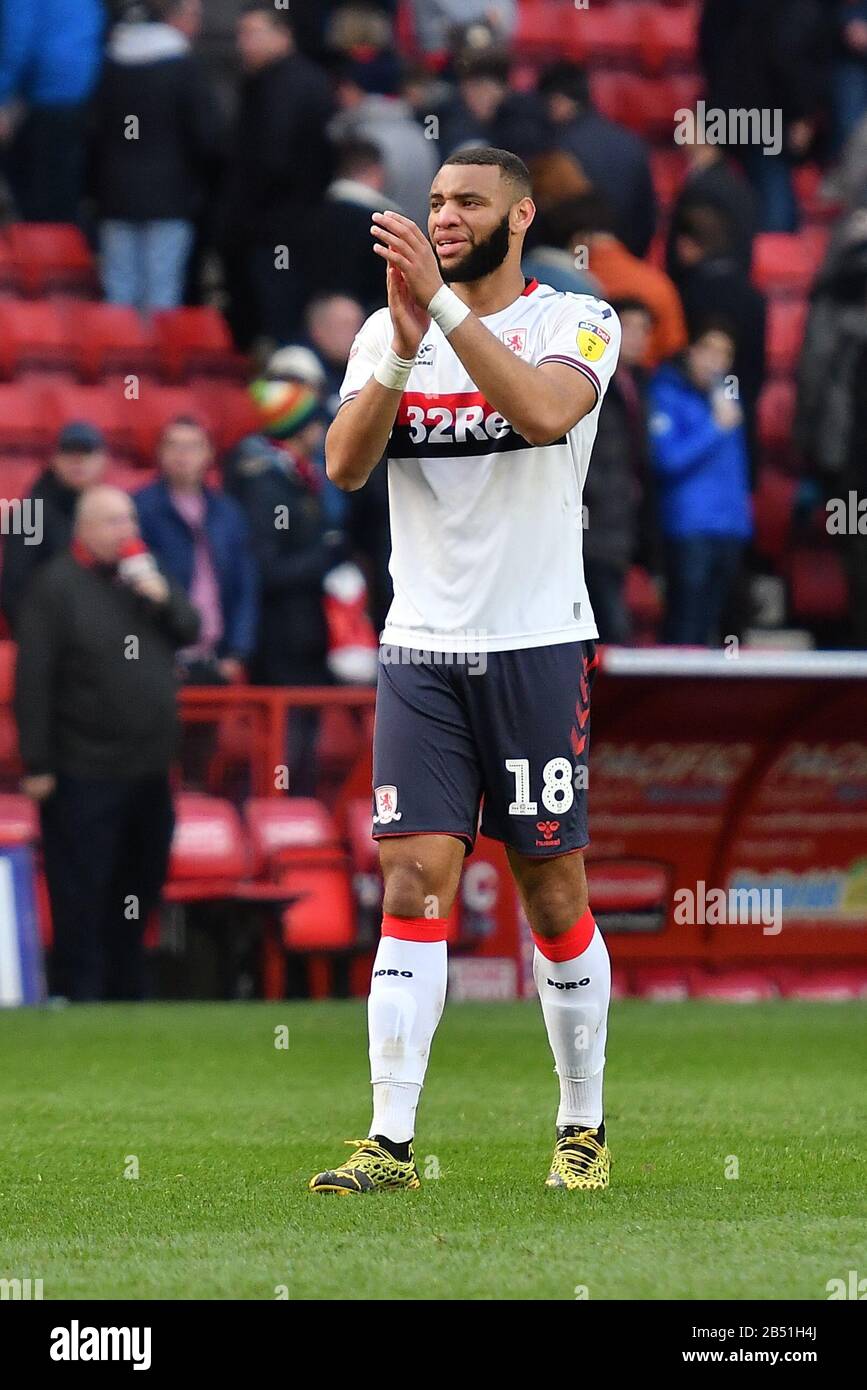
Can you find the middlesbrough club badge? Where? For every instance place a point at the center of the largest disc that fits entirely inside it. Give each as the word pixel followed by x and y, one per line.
pixel 386 805
pixel 515 340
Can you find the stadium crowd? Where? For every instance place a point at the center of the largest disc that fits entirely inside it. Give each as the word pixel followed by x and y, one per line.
pixel 246 173
pixel 233 159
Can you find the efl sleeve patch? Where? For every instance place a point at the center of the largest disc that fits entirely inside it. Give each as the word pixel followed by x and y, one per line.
pixel 585 344
pixel 592 341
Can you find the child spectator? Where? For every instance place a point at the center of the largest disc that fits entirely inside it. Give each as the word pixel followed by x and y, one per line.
pixel 702 469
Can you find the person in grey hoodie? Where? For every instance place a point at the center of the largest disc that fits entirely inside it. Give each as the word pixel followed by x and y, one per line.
pixel 409 155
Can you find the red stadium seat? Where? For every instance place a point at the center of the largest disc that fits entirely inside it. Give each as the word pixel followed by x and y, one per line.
pixel 102 406
pixel 156 407
pixel 540 28
pixel 781 264
pixel 112 338
pixel 294 843
pixel 282 827
pixel 230 408
pixel 787 319
pixel 776 415
pixel 17 475
pixel 610 92
pixel 598 34
pixel 362 846
pixel 196 340
pixel 815 207
pixel 9 281
pixel 773 503
pixel 51 256
pixel 668 38
pixel 33 333
pixel 10 762
pixel 818 587
pixel 654 105
pixel 366 875
pixel 323 915
pixel 8 653
pixel 610 33
pixel 208 857
pixel 19 820
pixel 646 105
pixel 24 426
pixel 10 758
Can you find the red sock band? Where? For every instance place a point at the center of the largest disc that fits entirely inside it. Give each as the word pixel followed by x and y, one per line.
pixel 572 943
pixel 415 928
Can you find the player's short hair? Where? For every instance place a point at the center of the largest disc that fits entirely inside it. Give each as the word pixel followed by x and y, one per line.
pixel 510 165
pixel 706 225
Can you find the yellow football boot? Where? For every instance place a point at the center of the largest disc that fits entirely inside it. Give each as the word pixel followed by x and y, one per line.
pixel 370 1169
pixel 582 1159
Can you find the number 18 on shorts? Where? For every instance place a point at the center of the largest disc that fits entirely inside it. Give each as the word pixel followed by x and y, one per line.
pixel 510 736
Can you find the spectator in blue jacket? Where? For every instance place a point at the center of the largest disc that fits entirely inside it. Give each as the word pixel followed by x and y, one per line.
pixel 201 539
pixel 700 458
pixel 50 54
pixel 849 71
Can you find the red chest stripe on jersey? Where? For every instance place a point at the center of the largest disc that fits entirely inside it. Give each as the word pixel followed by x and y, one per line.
pixel 450 423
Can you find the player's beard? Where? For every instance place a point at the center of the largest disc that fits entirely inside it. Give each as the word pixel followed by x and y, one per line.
pixel 482 259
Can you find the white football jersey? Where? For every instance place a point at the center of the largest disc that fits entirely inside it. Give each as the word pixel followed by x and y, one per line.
pixel 486 529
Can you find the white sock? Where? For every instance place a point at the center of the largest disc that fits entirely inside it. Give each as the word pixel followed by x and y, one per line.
pixel 575 995
pixel 407 994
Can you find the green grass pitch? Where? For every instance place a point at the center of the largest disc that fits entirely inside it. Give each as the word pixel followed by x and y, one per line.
pixel 226 1128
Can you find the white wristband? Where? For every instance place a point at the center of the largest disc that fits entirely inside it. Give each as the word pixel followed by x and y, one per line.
pixel 393 371
pixel 446 310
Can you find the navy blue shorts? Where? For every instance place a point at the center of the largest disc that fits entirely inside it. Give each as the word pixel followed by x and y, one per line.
pixel 505 731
